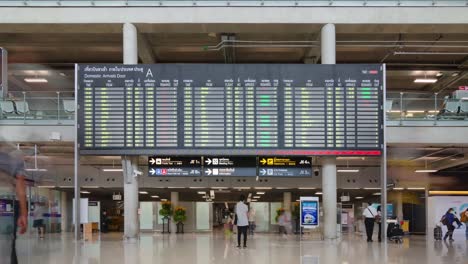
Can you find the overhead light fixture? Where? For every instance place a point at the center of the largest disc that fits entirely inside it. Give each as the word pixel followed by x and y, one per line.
pixel 448 192
pixel 358 197
pixel 112 170
pixel 85 192
pixel 256 197
pixel 425 171
pixel 36 80
pixel 439 74
pixel 464 98
pixel 90 187
pixel 143 192
pixel 376 194
pixel 371 188
pixel 197 187
pixel 261 193
pixel 253 200
pixel 163 200
pixel 428 80
pixel 298 200
pixel 219 188
pixel 347 170
pixel 46 186
pixel 416 188
pixel 318 193
pixel 201 192
pixel 416 111
pixel 154 196
pixel 35 169
pixel 241 188
pixel 263 188
pixel 66 187
pixel 174 187
pixel 398 188
pixel 307 188
pixel 455 74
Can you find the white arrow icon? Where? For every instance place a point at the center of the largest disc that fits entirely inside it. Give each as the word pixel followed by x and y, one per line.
pixel 208 172
pixel 208 161
pixel 152 161
pixel 152 171
pixel 263 171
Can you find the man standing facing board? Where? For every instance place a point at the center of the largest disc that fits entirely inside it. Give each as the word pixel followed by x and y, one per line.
pixel 369 214
pixel 12 181
pixel 242 221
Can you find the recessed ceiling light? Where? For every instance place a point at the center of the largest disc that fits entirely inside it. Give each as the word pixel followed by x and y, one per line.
pixel 112 170
pixel 307 188
pixel 85 192
pixel 263 188
pixel 455 74
pixel 425 171
pixel 163 200
pixel 253 200
pixel 143 192
pixel 398 188
pixel 347 170
pixel 261 193
pixel 35 80
pixel 46 186
pixel 154 196
pixel 359 197
pixel 256 197
pixel 416 188
pixel 318 193
pixel 201 192
pixel 439 74
pixel 371 188
pixel 35 169
pixel 449 192
pixel 376 194
pixel 429 80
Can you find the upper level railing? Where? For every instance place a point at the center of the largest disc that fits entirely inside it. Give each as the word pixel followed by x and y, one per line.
pixel 155 3
pixel 58 108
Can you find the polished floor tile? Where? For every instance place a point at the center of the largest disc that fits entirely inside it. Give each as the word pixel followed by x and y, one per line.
pixel 216 248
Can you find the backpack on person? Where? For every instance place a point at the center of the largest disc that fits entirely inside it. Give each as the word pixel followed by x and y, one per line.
pixel 444 220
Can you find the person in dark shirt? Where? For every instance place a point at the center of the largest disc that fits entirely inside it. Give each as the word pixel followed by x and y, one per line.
pixel 13 203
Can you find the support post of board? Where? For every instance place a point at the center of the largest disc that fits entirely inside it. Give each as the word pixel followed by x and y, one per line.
pixel 328 49
pixel 175 202
pixel 287 201
pixel 329 197
pixel 383 164
pixel 130 164
pixel 131 203
pixel 76 164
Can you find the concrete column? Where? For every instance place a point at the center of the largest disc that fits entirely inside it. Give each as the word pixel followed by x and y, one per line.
pixel 329 197
pixel 399 205
pixel 287 201
pixel 175 203
pixel 328 44
pixel 328 55
pixel 64 211
pixel 130 44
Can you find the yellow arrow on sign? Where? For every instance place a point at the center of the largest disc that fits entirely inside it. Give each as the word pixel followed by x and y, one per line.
pixel 263 161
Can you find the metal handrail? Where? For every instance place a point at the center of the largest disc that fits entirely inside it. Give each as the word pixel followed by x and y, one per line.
pixel 156 3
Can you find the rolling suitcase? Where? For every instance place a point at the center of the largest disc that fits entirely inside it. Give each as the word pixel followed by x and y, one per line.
pixel 438 233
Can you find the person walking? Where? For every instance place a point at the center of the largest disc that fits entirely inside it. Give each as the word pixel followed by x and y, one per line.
pixel 12 188
pixel 369 219
pixel 252 220
pixel 38 213
pixel 283 222
pixel 464 220
pixel 447 220
pixel 242 221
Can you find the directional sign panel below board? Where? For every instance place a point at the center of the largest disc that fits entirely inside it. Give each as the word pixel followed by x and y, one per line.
pixel 284 166
pixel 229 166
pixel 174 166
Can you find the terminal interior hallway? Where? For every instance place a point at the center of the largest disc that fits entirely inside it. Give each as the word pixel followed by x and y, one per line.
pixel 213 248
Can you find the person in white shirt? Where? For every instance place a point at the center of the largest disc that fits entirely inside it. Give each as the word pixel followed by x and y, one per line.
pixel 242 220
pixel 369 214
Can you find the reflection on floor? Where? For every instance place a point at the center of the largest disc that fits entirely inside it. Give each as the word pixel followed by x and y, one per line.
pixel 262 248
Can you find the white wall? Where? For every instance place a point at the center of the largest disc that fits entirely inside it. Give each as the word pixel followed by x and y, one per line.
pixel 438 206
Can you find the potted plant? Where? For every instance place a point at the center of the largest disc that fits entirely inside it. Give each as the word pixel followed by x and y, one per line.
pixel 180 217
pixel 166 212
pixel 279 211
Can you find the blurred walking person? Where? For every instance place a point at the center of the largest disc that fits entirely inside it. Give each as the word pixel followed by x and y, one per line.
pixel 242 221
pixel 12 188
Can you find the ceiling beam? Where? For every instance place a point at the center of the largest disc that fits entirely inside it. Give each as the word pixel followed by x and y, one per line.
pixel 447 81
pixel 145 50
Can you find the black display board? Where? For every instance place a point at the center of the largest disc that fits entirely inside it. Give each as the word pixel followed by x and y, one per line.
pixel 230 109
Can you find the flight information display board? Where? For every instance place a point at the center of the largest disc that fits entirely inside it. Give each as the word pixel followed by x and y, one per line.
pixel 230 109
